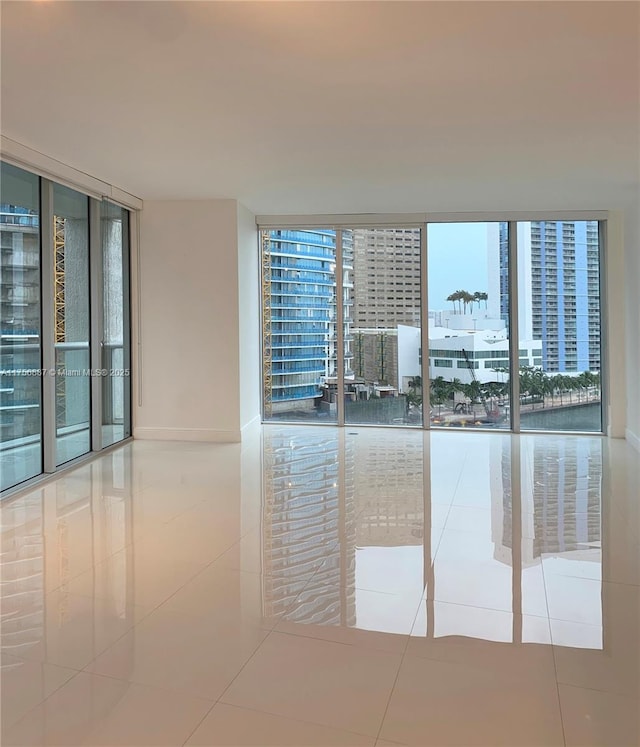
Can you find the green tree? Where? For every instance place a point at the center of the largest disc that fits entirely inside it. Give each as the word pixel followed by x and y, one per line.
pixel 467 300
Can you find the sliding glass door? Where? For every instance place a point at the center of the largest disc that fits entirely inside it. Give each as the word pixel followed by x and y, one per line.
pixel 72 323
pixel 559 272
pixel 65 325
pixel 382 324
pixel 20 340
pixel 469 340
pixel 299 341
pixel 115 345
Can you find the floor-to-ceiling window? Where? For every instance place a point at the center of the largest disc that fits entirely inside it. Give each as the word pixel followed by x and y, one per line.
pixel 65 342
pixel 469 341
pixel 72 326
pixel 299 341
pixel 399 326
pixel 20 348
pixel 382 313
pixel 559 307
pixel 115 345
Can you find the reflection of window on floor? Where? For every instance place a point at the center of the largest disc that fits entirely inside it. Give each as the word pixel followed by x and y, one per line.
pixel 363 511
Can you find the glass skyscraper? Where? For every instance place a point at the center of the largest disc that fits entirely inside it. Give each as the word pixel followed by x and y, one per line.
pixel 299 315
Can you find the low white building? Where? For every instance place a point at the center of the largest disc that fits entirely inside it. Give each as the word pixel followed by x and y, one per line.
pixel 483 339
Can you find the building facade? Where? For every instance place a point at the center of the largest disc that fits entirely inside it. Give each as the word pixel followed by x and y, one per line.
pixel 386 272
pixel 558 289
pixel 299 315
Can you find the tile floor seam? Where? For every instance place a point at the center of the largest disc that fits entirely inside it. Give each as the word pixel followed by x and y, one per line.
pixel 258 647
pixel 325 569
pixel 55 690
pixel 219 700
pixel 598 690
pixel 278 715
pixel 553 656
pixel 113 679
pixel 489 609
pixel 393 686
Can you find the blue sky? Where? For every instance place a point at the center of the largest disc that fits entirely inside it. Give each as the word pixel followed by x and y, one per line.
pixel 457 260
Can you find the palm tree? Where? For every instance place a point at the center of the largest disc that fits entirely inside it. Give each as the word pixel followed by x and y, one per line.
pixel 415 382
pixel 481 296
pixel 467 299
pixel 440 392
pixel 453 297
pixel 558 385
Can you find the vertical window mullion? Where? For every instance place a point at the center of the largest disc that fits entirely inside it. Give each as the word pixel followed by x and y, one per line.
pixel 604 346
pixel 339 329
pixel 424 329
pixel 97 322
pixel 514 338
pixel 48 327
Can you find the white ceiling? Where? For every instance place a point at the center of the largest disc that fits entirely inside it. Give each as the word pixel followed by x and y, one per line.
pixel 339 107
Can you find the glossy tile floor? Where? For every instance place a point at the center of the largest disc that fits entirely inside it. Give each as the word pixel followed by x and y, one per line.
pixel 324 587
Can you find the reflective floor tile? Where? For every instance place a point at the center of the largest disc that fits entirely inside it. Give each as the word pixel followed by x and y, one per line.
pixel 598 719
pixel 193 655
pixel 345 687
pixel 354 616
pixel 229 726
pixel 615 665
pixel 93 710
pixel 442 703
pixel 74 630
pixel 25 684
pixel 499 641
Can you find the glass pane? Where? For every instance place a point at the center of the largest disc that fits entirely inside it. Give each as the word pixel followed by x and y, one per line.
pixel 468 325
pixel 383 382
pixel 559 308
pixel 20 352
pixel 299 324
pixel 115 347
pixel 73 380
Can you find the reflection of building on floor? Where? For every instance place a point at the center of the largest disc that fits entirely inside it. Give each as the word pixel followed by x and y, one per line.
pixel 22 576
pixel 304 520
pixel 560 509
pixel 389 493
pixel 58 513
pixel 307 519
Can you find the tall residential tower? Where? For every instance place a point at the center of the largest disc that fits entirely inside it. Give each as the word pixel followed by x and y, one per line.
pixel 558 290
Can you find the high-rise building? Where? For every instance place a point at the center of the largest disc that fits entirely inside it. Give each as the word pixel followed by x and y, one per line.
pixel 299 314
pixel 558 290
pixel 19 321
pixel 386 272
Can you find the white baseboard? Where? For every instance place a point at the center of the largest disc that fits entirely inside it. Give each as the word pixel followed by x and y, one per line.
pixel 187 434
pixel 632 439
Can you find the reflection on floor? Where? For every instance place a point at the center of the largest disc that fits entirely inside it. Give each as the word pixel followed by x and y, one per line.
pixel 20 463
pixel 324 586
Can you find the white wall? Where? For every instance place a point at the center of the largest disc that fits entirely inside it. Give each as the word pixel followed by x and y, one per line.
pixel 409 342
pixel 249 317
pixel 189 321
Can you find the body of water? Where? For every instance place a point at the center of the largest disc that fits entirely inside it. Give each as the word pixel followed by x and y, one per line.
pixel 575 418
